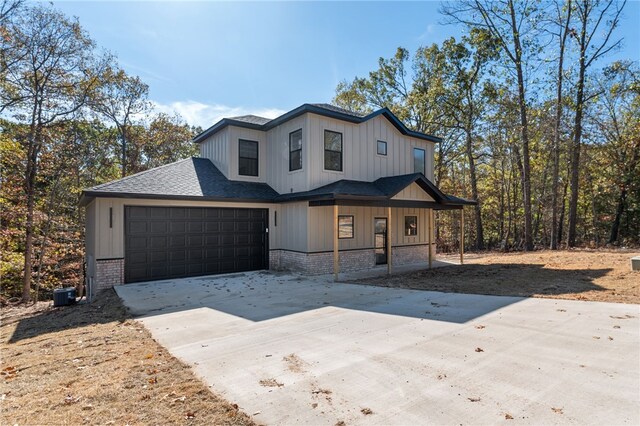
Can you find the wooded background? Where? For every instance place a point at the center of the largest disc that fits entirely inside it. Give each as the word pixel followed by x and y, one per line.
pixel 537 126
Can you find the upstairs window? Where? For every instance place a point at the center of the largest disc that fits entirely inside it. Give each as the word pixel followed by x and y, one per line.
pixel 382 148
pixel 295 150
pixel 248 158
pixel 332 150
pixel 418 160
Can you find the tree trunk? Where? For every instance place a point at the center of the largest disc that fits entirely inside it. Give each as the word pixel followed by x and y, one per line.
pixel 577 139
pixel 562 211
pixel 29 188
pixel 474 193
pixel 524 133
pixel 123 137
pixel 556 135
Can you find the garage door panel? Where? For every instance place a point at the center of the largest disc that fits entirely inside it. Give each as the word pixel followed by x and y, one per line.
pixel 157 242
pixel 158 227
pixel 178 213
pixel 177 256
pixel 177 227
pixel 227 226
pixel 211 227
pixel 158 256
pixel 196 213
pixel 242 239
pixel 138 258
pixel 137 227
pixel 177 241
pixel 226 240
pixel 136 243
pixel 158 212
pixel 173 242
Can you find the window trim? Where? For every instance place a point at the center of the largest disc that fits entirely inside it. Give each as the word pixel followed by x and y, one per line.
pixel 257 159
pixel 386 148
pixel 324 151
pixel 405 225
pixel 353 226
pixel 424 161
pixel 290 151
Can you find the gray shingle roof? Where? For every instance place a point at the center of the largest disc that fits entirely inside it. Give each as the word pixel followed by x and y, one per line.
pixel 193 178
pixel 335 108
pixel 382 188
pixel 254 119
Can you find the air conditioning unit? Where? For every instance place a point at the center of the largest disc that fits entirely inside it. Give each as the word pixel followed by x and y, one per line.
pixel 64 296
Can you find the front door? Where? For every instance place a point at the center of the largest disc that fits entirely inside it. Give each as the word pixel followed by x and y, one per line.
pixel 380 239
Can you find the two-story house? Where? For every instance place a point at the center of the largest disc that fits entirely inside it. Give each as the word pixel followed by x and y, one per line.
pixel 317 190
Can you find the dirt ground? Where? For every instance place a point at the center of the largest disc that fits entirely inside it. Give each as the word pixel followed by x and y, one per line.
pixel 92 364
pixel 603 276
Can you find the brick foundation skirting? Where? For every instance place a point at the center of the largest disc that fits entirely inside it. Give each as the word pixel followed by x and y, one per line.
pixel 108 273
pixel 350 261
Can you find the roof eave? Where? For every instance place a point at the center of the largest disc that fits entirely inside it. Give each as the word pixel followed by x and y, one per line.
pixel 97 194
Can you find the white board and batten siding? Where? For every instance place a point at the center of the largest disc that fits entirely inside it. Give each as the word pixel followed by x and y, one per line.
pixel 359 143
pixel 216 149
pixel 278 175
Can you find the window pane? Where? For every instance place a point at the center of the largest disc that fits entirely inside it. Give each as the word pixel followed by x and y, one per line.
pixel 410 225
pixel 248 167
pixel 295 150
pixel 333 160
pixel 295 140
pixel 418 160
pixel 345 226
pixel 382 148
pixel 295 160
pixel 248 149
pixel 332 141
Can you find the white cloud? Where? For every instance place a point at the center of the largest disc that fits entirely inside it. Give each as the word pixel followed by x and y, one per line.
pixel 431 29
pixel 205 115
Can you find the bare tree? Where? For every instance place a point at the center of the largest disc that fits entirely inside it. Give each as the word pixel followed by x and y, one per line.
pixel 49 80
pixel 120 98
pixel 597 21
pixel 563 22
pixel 513 25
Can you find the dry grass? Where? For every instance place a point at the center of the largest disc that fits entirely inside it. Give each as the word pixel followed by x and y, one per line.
pixel 603 276
pixel 92 364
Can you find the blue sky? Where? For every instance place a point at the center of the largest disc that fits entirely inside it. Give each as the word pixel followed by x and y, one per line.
pixel 206 60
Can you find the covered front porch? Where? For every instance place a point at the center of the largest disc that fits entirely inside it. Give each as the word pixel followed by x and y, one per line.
pixel 390 243
pixel 354 225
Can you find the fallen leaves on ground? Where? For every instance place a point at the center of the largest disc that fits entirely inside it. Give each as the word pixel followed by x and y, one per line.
pixel 94 364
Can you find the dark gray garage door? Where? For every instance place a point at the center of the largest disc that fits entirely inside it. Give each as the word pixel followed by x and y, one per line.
pixel 174 242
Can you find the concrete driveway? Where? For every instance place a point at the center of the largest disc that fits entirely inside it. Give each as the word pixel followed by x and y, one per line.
pixel 290 350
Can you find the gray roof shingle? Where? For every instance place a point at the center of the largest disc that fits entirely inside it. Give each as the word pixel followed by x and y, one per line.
pixel 191 178
pixel 341 110
pixel 253 119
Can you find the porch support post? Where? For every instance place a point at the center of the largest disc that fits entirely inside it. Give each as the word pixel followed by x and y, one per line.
pixel 429 233
pixel 462 236
pixel 389 254
pixel 336 255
